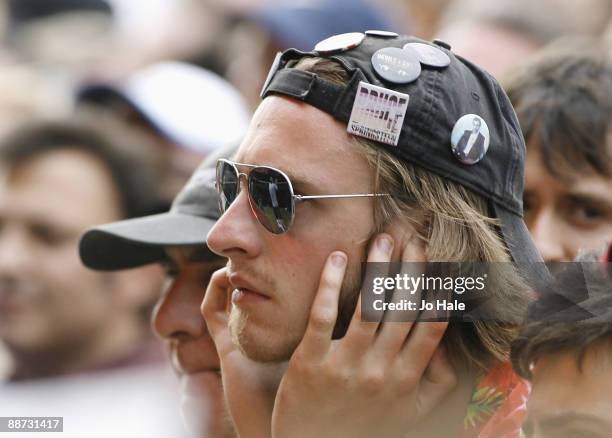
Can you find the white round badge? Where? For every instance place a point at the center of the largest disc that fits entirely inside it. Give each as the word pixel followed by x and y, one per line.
pixel 339 43
pixel 470 139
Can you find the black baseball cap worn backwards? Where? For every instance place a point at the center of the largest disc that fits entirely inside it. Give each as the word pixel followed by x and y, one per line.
pixel 427 106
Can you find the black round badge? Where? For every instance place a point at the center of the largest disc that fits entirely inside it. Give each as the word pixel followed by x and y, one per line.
pixel 429 55
pixel 339 43
pixel 396 65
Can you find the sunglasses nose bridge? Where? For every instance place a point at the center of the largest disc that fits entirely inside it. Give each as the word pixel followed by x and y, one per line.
pixel 241 176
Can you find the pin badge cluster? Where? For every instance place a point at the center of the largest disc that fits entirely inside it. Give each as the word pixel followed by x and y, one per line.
pixel 378 113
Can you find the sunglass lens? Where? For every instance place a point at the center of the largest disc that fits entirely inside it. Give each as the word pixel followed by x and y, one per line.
pixel 227 184
pixel 272 200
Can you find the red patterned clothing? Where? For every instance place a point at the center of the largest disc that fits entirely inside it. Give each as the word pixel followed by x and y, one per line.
pixel 498 405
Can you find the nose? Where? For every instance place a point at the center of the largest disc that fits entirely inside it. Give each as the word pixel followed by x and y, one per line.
pixel 177 313
pixel 548 236
pixel 237 232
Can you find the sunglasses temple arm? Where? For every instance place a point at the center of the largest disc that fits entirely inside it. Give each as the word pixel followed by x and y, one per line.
pixel 368 195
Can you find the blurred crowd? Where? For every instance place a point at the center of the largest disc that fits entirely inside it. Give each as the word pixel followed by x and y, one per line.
pixel 107 107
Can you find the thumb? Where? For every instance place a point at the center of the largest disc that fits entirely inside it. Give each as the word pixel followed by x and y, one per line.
pixel 215 307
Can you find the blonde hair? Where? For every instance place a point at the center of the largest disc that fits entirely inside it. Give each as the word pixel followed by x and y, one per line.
pixel 455 223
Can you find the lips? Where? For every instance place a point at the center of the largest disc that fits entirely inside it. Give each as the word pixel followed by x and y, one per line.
pixel 243 286
pixel 243 297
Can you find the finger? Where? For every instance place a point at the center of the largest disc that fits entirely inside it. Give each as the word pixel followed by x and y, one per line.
pixel 414 266
pixel 216 300
pixel 439 380
pixel 360 334
pixel 421 345
pixel 324 312
pixel 398 323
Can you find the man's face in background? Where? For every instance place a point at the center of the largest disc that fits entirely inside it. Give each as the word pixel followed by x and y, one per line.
pixel 566 215
pixel 45 204
pixel 177 319
pixel 569 401
pixel 275 277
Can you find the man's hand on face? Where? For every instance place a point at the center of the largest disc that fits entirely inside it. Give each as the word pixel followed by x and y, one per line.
pixel 379 380
pixel 249 387
pixel 370 383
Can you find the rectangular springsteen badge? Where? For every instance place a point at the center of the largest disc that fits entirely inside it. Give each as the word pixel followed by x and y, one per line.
pixel 378 113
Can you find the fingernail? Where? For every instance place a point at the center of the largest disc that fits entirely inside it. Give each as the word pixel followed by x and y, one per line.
pixel 339 260
pixel 385 244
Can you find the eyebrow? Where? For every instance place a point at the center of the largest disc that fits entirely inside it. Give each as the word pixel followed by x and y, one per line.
pixel 590 198
pixel 302 182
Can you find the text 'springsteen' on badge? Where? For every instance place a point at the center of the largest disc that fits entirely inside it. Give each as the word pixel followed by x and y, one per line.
pixel 378 114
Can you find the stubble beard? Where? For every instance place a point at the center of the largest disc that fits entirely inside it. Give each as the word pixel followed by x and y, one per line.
pixel 267 350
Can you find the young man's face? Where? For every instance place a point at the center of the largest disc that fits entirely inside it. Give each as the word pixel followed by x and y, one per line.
pixel 565 217
pixel 277 275
pixel 177 319
pixel 566 402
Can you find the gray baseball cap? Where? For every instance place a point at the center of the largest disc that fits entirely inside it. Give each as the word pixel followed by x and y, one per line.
pixel 136 242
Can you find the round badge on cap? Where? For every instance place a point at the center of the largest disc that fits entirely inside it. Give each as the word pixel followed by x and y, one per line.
pixel 396 65
pixel 470 139
pixel 382 33
pixel 430 55
pixel 339 43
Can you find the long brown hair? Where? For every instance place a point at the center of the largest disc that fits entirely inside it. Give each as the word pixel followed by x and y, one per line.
pixel 454 222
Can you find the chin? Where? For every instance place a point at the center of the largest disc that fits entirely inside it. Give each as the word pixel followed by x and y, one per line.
pixel 271 344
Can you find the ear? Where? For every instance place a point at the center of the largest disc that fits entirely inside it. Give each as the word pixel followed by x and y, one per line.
pixel 138 288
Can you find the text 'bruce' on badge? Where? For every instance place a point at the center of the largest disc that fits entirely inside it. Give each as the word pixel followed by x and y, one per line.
pixel 378 114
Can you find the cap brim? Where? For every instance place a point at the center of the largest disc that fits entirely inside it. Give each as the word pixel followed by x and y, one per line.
pixel 141 241
pixel 522 249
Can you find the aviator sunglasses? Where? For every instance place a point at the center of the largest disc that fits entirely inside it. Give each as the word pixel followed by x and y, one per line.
pixel 270 193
